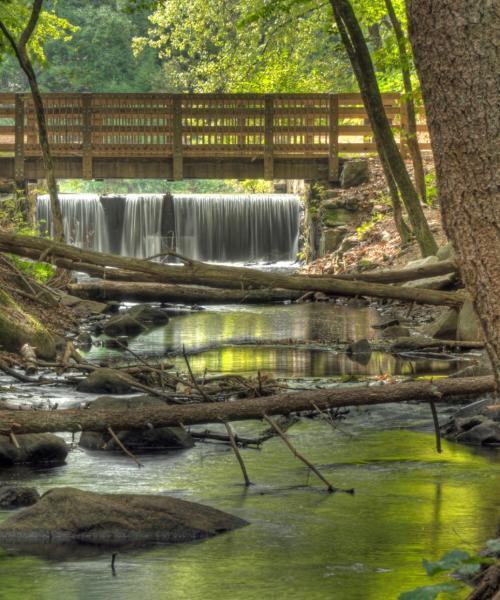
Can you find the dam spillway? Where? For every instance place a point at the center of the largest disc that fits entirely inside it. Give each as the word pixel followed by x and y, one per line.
pixel 208 227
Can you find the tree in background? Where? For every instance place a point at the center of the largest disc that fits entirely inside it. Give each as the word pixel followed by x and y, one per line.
pixel 455 44
pixel 11 15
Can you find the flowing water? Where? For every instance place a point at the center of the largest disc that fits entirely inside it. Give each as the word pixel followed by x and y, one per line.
pixel 301 543
pixel 211 227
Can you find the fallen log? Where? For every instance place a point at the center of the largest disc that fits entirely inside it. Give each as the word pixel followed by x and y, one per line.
pixel 222 276
pixel 401 275
pixel 166 292
pixel 26 421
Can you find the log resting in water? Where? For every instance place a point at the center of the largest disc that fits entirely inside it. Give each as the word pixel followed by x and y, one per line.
pixel 220 276
pixel 26 421
pixel 166 292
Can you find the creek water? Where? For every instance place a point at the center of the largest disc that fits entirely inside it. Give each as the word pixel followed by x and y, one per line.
pixel 301 543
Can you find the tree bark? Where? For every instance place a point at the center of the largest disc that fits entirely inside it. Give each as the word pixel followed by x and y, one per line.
pixel 456 51
pixel 359 55
pixel 197 273
pixel 21 52
pixel 164 292
pixel 410 133
pixel 28 421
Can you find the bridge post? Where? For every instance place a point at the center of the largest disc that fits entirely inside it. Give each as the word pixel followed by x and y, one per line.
pixel 177 161
pixel 268 138
pixel 19 140
pixel 87 136
pixel 333 138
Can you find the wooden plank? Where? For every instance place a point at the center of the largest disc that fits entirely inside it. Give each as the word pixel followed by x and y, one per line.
pixel 178 169
pixel 19 139
pixel 268 140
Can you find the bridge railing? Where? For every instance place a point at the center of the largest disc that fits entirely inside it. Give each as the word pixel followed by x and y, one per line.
pixel 185 126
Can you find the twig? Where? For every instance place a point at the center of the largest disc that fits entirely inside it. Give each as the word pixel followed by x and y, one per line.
pixel 193 379
pixel 237 453
pixel 121 445
pixel 113 560
pixel 298 455
pixel 13 439
pixel 436 426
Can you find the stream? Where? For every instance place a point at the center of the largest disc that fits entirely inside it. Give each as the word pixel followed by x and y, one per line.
pixel 302 543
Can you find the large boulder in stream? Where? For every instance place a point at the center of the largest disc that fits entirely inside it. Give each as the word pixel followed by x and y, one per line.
pixel 18 328
pixel 34 449
pixel 65 515
pixel 148 440
pixel 135 320
pixel 108 381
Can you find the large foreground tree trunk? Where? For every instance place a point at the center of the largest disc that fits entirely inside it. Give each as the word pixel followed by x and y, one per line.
pixel 21 52
pixel 30 421
pixel 456 50
pixel 359 55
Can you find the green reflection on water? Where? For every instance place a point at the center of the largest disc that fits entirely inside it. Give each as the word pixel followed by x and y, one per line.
pixel 410 503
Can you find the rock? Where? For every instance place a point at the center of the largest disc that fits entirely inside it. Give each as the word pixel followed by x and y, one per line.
pixel 321 297
pixel 485 433
pixel 357 302
pixel 147 314
pixel 421 262
pixel 115 342
pixel 331 239
pixel 85 308
pixel 444 327
pixel 331 193
pixel 123 324
pixel 107 381
pixel 18 328
pixel 35 449
pixel 359 347
pixel 335 217
pixel 84 339
pixel 65 515
pixel 16 497
pixel 468 327
pixel 395 331
pixel 439 282
pixel 346 245
pixel 415 342
pixel 445 252
pixel 164 438
pixel 354 173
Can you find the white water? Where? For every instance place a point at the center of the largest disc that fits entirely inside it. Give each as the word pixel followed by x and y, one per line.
pixel 84 221
pixel 210 227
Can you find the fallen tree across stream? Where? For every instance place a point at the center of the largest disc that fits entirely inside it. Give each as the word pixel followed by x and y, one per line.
pixel 28 421
pixel 218 276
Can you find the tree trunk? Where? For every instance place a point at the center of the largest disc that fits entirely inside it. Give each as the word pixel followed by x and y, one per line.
pixel 455 45
pixel 359 55
pixel 164 292
pixel 410 133
pixel 197 273
pixel 30 421
pixel 21 52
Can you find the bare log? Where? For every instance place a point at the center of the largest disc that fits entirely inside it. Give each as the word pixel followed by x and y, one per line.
pixel 221 276
pixel 28 421
pixel 401 275
pixel 165 292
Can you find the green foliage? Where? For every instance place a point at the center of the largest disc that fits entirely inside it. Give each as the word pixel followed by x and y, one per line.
pixel 39 271
pixel 367 226
pixel 155 186
pixel 431 188
pixel 457 562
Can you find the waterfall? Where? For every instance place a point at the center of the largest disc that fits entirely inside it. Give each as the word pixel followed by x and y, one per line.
pixel 211 227
pixel 142 225
pixel 84 221
pixel 236 227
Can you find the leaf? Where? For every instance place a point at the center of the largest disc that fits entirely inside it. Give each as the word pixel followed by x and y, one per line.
pixel 450 560
pixel 494 545
pixel 428 592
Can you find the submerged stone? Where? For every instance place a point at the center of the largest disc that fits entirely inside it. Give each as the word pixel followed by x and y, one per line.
pixel 107 381
pixel 65 515
pixel 147 314
pixel 161 439
pixel 123 324
pixel 34 449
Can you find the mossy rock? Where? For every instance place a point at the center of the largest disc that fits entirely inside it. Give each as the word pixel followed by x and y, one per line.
pixel 18 328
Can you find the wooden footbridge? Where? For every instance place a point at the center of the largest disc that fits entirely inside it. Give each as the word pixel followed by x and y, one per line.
pixel 193 136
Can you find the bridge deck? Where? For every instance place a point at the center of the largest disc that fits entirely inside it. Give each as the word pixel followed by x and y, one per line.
pixel 177 136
